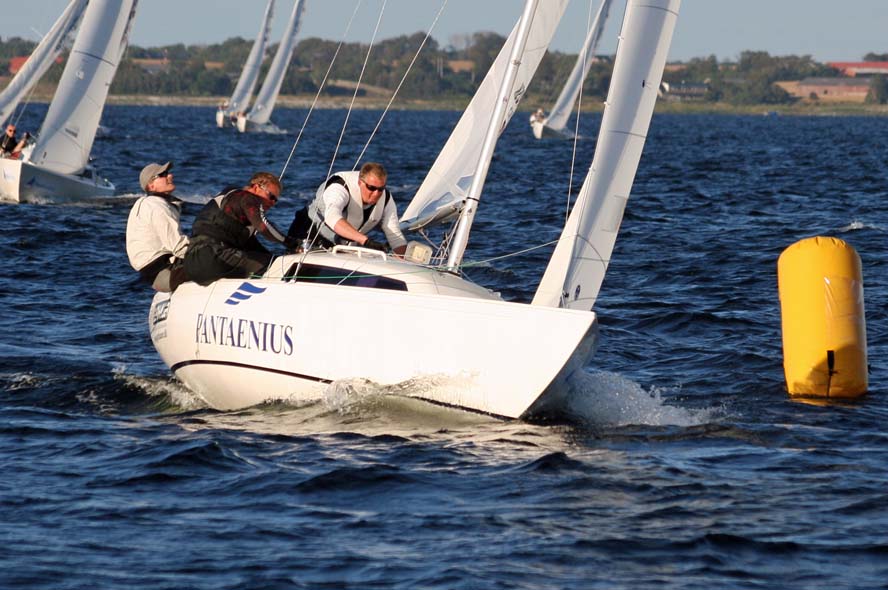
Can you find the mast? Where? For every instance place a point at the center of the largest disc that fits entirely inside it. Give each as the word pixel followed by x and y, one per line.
pixel 467 216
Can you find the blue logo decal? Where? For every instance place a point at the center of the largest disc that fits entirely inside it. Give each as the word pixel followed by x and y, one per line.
pixel 244 292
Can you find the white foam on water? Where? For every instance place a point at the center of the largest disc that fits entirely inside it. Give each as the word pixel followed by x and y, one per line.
pixel 22 381
pixel 173 390
pixel 856 225
pixel 604 398
pixel 343 395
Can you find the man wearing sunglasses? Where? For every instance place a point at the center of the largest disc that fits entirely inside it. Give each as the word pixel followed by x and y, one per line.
pixel 223 236
pixel 346 208
pixel 155 244
pixel 10 146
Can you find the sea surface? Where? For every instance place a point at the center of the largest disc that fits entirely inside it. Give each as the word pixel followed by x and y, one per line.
pixel 683 465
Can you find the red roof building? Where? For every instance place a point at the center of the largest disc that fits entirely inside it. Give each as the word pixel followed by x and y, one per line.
pixel 16 63
pixel 860 68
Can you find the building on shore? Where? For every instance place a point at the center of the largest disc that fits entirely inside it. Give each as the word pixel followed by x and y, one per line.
pixel 853 90
pixel 854 69
pixel 683 92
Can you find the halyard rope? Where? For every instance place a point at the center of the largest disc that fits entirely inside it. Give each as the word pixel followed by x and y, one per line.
pixel 320 88
pixel 357 87
pixel 401 83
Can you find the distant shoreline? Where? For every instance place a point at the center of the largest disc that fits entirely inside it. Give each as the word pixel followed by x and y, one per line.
pixel 529 104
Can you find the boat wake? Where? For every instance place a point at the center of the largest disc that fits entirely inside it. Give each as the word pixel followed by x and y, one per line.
pixel 362 396
pixel 603 398
pixel 857 225
pixel 162 391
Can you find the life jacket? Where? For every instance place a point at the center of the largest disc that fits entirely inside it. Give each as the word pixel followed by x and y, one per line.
pixel 359 218
pixel 212 222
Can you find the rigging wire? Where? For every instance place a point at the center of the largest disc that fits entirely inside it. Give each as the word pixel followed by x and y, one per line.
pixel 311 239
pixel 357 87
pixel 320 89
pixel 573 157
pixel 401 83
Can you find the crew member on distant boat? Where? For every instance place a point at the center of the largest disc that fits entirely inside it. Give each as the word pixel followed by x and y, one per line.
pixel 10 147
pixel 538 116
pixel 223 237
pixel 347 207
pixel 155 244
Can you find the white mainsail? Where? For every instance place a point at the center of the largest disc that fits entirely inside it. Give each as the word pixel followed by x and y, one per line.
pixel 557 118
pixel 246 84
pixel 576 270
pixel 40 59
pixel 69 129
pixel 263 106
pixel 448 181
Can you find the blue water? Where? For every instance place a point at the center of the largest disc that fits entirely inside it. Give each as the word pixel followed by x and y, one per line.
pixel 685 464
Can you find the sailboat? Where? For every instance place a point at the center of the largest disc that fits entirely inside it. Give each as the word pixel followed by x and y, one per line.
pixel 228 111
pixel 59 167
pixel 240 342
pixel 40 59
pixel 553 125
pixel 259 116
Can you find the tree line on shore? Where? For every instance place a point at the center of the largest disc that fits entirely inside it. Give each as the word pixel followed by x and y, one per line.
pixel 438 72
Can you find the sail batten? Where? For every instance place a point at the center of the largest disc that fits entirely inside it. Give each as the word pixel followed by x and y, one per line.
pixel 576 271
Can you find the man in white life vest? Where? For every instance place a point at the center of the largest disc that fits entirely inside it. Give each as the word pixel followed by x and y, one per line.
pixel 347 207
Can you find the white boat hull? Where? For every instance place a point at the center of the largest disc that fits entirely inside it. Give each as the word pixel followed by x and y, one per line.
pixel 24 182
pixel 237 347
pixel 541 131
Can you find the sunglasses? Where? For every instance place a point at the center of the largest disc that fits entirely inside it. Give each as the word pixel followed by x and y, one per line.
pixel 372 188
pixel 161 175
pixel 274 198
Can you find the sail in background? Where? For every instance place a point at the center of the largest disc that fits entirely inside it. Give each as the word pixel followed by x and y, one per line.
pixel 576 270
pixel 69 129
pixel 449 179
pixel 557 118
pixel 40 59
pixel 263 106
pixel 246 84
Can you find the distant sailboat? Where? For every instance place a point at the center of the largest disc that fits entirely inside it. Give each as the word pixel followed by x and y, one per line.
pixel 554 124
pixel 259 116
pixel 227 113
pixel 40 59
pixel 58 167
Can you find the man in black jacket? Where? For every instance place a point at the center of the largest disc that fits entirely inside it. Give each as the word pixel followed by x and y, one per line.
pixel 223 237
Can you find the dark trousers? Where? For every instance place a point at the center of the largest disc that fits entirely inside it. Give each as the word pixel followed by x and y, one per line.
pixel 303 228
pixel 208 260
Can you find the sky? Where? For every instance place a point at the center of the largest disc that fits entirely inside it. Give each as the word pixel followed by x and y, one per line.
pixel 825 29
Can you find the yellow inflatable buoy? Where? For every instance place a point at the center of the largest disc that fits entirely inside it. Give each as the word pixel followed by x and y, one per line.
pixel 824 328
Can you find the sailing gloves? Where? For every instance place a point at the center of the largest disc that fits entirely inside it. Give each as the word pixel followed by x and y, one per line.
pixel 374 245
